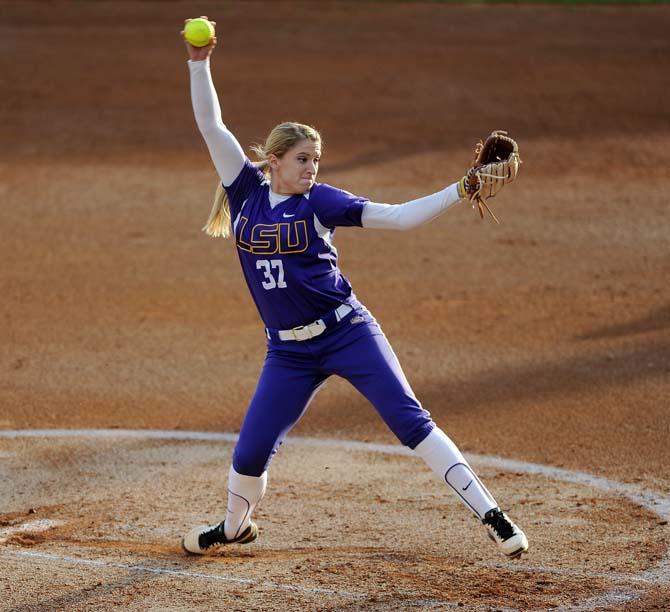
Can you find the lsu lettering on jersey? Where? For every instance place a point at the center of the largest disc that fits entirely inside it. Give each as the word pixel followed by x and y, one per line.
pixel 286 252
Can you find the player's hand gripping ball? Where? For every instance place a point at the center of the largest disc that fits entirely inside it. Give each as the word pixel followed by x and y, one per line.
pixel 199 32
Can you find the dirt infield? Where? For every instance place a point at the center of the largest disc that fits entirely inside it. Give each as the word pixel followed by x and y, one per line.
pixel 544 341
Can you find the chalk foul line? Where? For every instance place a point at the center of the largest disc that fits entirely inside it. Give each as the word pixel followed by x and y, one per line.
pixel 656 502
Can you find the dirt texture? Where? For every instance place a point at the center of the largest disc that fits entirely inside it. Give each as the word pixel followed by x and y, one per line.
pixel 545 339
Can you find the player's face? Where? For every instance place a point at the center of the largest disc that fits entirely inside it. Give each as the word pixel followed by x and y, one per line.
pixel 296 170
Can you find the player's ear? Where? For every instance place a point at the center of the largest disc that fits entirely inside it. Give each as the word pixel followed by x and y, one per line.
pixel 273 161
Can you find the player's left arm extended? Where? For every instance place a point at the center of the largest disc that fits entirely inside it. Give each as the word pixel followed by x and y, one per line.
pixel 410 214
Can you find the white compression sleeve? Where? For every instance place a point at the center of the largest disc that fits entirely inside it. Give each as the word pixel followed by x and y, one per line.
pixel 225 151
pixel 448 463
pixel 410 214
pixel 244 493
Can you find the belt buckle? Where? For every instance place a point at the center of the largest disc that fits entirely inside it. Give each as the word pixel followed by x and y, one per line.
pixel 306 332
pixel 299 336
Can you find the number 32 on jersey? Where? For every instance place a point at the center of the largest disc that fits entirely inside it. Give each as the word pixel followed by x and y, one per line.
pixel 273 272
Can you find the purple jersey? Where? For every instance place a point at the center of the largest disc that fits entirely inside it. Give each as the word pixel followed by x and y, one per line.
pixel 286 252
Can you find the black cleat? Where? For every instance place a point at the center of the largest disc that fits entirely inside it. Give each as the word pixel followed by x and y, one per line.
pixel 509 538
pixel 208 538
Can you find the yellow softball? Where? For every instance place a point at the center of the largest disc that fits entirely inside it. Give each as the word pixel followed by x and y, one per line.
pixel 199 32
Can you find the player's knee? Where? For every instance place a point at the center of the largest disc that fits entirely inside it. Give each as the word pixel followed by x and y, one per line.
pixel 413 436
pixel 249 463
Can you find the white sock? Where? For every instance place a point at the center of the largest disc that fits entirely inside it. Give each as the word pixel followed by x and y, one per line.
pixel 244 493
pixel 444 458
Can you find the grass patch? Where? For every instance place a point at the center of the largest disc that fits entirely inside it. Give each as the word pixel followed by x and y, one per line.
pixel 563 2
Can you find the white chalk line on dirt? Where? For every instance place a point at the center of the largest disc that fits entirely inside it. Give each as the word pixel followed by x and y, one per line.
pixel 573 573
pixel 658 503
pixel 150 569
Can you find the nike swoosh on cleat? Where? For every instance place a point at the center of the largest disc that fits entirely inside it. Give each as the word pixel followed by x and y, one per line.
pixel 466 486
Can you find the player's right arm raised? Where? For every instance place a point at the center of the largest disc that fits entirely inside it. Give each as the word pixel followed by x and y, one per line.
pixel 225 151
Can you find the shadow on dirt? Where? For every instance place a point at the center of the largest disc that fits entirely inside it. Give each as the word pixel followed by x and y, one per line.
pixel 112 591
pixel 583 374
pixel 656 320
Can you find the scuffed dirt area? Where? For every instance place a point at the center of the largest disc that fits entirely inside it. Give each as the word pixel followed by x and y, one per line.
pixel 544 339
pixel 393 538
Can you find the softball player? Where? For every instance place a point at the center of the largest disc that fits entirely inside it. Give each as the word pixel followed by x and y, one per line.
pixel 283 223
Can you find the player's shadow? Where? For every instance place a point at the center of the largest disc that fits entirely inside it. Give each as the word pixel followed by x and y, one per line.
pixel 656 320
pixel 101 589
pixel 583 373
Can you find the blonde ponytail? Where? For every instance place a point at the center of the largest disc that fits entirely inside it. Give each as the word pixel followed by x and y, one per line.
pixel 218 223
pixel 281 139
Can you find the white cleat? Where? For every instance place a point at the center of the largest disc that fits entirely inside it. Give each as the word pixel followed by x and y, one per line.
pixel 208 538
pixel 509 538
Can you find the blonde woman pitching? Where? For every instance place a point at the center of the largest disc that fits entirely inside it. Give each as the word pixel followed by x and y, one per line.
pixel 283 223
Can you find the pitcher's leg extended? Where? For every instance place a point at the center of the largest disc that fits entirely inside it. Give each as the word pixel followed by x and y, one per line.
pixel 372 367
pixel 448 463
pixel 284 391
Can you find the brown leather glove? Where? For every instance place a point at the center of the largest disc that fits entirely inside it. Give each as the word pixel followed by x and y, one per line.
pixel 496 163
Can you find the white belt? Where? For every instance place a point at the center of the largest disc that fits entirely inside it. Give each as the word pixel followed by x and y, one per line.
pixel 305 332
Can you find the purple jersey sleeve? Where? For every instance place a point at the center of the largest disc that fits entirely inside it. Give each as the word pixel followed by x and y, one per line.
pixel 249 179
pixel 336 207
